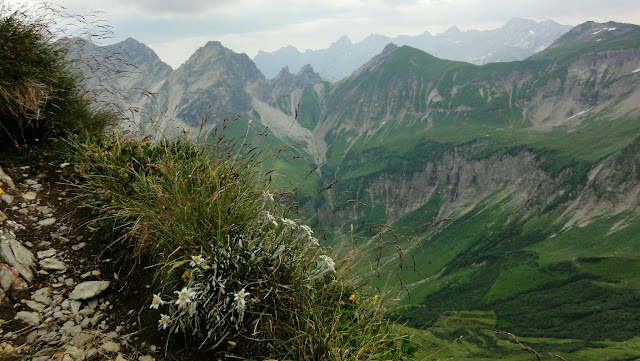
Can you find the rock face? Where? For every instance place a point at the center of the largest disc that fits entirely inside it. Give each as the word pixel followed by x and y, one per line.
pixel 16 254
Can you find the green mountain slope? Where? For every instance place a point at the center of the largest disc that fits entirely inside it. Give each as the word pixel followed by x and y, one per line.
pixel 535 162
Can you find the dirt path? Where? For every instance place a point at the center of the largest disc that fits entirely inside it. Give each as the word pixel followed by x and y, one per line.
pixel 59 300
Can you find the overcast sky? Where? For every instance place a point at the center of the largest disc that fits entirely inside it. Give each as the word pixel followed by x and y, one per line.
pixel 176 28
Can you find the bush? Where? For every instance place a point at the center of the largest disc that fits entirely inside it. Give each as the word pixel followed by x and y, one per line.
pixel 234 272
pixel 39 94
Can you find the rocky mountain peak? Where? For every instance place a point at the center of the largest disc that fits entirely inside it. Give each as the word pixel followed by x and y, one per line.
pixel 376 60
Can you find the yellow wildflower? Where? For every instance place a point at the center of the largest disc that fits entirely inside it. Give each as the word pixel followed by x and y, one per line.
pixel 186 275
pixel 376 298
pixel 1 191
pixel 352 297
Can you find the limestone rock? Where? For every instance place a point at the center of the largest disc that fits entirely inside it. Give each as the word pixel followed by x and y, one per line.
pixel 3 217
pixel 7 198
pixel 16 254
pixel 6 180
pixel 52 264
pixel 46 254
pixel 32 318
pixel 110 347
pixel 47 222
pixel 7 277
pixel 42 295
pixel 88 289
pixel 29 196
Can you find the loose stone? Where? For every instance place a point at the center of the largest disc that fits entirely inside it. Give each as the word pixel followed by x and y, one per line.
pixel 47 222
pixel 53 264
pixel 42 295
pixel 88 289
pixel 32 318
pixel 46 254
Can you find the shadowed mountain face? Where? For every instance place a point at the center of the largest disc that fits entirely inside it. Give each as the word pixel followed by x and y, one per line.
pixel 516 40
pixel 535 164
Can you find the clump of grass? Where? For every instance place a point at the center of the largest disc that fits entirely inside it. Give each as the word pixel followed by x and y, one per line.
pixel 39 93
pixel 233 273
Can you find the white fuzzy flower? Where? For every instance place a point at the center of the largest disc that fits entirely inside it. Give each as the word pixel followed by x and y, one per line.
pixel 239 300
pixel 156 302
pixel 326 263
pixel 307 230
pixel 164 321
pixel 184 297
pixel 288 223
pixel 271 219
pixel 268 196
pixel 196 261
pixel 314 241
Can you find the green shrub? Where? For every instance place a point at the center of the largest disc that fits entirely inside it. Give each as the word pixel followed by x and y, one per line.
pixel 39 94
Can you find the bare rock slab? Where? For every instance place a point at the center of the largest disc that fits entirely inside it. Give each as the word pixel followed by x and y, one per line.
pixel 89 289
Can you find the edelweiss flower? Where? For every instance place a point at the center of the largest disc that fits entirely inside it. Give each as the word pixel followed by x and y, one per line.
pixel 307 230
pixel 239 300
pixel 271 219
pixel 196 261
pixel 326 263
pixel 156 302
pixel 184 297
pixel 288 223
pixel 164 321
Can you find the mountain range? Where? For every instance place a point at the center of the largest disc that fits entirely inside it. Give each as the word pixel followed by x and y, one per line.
pixel 512 188
pixel 516 40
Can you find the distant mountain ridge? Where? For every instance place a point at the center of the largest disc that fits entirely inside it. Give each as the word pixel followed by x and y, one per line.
pixel 516 40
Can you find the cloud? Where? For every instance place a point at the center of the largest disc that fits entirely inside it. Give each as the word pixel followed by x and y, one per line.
pixel 152 7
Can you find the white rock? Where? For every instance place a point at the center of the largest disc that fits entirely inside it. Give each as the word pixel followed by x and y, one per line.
pixel 42 295
pixel 75 306
pixel 88 289
pixel 146 358
pixel 16 255
pixel 82 339
pixel 46 254
pixel 32 337
pixel 53 264
pixel 7 198
pixel 20 285
pixel 78 246
pixel 29 196
pixel 90 353
pixel 47 222
pixel 110 347
pixel 7 278
pixel 36 306
pixel 32 318
pixel 92 303
pixel 120 358
pixel 86 312
pixel 6 180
